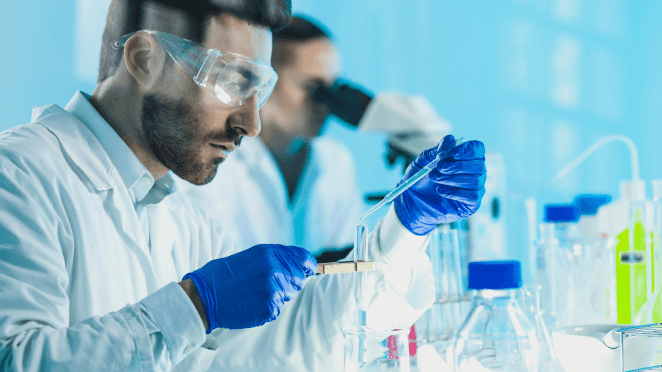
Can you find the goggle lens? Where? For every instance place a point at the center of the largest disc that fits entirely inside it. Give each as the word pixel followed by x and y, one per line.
pixel 239 80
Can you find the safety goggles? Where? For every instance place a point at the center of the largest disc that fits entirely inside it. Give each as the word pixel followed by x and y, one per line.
pixel 230 77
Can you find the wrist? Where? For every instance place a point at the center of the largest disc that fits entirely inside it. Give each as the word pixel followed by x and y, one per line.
pixel 192 291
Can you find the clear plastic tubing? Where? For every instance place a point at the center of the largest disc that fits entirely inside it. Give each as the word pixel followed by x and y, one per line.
pixel 415 178
pixel 360 288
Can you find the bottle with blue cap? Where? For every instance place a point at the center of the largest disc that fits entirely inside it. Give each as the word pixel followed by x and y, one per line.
pixel 589 223
pixel 559 228
pixel 496 334
pixel 563 219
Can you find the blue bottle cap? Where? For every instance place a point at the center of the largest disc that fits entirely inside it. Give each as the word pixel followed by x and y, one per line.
pixel 562 213
pixel 495 275
pixel 589 203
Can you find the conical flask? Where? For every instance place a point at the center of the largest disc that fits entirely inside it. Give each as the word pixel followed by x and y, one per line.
pixel 530 304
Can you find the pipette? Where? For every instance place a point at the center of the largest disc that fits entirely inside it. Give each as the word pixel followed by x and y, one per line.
pixel 413 179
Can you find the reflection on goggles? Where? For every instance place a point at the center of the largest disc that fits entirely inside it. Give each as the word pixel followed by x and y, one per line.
pixel 230 77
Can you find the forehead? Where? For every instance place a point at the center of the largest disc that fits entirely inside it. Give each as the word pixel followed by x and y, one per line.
pixel 228 33
pixel 316 58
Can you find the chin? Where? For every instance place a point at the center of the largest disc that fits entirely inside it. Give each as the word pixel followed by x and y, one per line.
pixel 203 177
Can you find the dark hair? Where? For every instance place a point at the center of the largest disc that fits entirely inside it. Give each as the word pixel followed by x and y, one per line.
pixel 184 18
pixel 301 29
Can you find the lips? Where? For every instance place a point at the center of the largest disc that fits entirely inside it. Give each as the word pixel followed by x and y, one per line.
pixel 225 150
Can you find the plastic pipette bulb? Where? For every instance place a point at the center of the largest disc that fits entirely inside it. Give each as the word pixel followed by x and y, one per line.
pixel 411 181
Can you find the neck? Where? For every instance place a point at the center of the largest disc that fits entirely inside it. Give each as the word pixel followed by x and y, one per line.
pixel 290 153
pixel 122 112
pixel 283 147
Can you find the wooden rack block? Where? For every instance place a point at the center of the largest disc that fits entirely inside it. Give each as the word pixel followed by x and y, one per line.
pixel 345 267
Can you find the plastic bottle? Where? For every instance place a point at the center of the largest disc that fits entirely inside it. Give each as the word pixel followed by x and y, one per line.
pixel 496 336
pixel 589 224
pixel 564 218
pixel 556 232
pixel 625 220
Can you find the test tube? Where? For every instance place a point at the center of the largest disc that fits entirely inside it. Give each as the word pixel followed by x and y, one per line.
pixel 360 254
pixel 360 288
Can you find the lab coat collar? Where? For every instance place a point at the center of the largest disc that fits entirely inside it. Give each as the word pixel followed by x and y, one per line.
pixel 79 143
pixel 137 179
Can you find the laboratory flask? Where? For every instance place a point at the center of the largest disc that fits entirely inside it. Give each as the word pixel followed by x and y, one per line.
pixel 529 299
pixel 384 351
pixel 439 324
pixel 496 336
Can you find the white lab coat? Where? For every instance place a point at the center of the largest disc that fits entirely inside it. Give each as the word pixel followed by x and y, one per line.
pixel 81 288
pixel 250 198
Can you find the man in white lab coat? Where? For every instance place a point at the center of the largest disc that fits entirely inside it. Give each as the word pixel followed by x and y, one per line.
pixel 289 185
pixel 94 237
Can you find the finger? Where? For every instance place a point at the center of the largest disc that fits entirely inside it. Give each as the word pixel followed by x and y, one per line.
pixel 446 143
pixel 430 154
pixel 469 150
pixel 452 166
pixel 274 309
pixel 462 181
pixel 470 197
pixel 304 259
pixel 297 279
pixel 286 290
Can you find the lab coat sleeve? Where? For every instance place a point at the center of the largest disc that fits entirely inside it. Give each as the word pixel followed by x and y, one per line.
pixel 307 335
pixel 35 334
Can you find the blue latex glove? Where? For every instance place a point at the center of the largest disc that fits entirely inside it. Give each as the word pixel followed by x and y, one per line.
pixel 249 288
pixel 450 192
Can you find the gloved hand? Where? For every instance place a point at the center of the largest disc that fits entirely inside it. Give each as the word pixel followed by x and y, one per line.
pixel 248 289
pixel 450 192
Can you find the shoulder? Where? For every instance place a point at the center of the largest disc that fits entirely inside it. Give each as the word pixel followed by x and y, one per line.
pixel 29 147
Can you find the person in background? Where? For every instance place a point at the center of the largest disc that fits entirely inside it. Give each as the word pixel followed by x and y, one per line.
pixel 290 185
pixel 105 266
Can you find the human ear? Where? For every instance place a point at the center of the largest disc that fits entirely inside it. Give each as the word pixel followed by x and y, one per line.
pixel 144 59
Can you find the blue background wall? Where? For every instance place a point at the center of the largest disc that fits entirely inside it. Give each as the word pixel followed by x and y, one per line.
pixel 538 81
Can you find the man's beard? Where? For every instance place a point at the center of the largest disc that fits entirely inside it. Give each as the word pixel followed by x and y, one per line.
pixel 173 134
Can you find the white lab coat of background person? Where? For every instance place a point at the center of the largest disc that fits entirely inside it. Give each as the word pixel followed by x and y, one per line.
pixel 87 285
pixel 249 197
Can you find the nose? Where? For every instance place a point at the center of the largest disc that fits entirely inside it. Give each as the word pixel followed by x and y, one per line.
pixel 250 124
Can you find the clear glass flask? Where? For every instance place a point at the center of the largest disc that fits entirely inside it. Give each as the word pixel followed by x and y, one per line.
pixel 385 351
pixel 496 336
pixel 530 303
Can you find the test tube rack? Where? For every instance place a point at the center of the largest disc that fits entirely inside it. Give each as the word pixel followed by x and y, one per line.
pixel 345 267
pixel 649 330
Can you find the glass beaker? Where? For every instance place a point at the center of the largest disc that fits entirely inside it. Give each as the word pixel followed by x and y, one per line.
pixel 578 279
pixel 384 351
pixel 438 325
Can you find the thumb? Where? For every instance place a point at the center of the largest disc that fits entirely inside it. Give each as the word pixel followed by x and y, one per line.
pixel 428 155
pixel 445 144
pixel 305 260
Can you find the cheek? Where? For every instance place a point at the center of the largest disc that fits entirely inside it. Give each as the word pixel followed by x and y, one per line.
pixel 294 103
